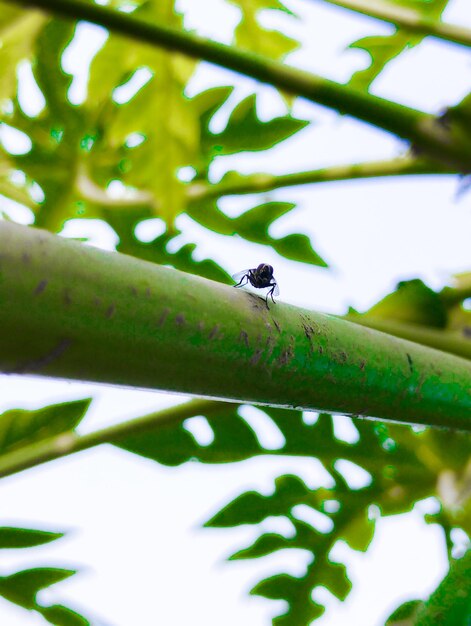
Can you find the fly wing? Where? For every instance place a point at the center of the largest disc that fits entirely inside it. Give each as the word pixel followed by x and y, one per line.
pixel 276 290
pixel 240 275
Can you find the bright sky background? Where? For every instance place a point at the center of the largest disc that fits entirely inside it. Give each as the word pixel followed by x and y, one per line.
pixel 133 527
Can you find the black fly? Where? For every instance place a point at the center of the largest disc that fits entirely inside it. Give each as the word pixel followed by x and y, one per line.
pixel 260 278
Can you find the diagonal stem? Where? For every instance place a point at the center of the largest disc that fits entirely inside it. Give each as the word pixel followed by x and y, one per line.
pixel 408 19
pixel 421 129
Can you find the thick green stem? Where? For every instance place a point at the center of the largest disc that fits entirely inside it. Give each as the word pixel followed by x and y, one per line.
pixel 421 129
pixel 69 310
pixel 406 18
pixel 71 442
pixel 256 183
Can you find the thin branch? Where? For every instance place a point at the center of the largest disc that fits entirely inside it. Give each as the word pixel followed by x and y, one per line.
pixel 408 19
pixel 71 442
pixel 453 342
pixel 257 183
pixel 417 127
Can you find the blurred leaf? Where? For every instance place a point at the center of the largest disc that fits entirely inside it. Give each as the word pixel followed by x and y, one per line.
pixel 22 588
pixel 251 35
pixel 383 49
pixel 450 603
pixel 254 225
pixel 18 31
pixel 24 537
pixel 412 302
pixel 159 112
pixel 405 615
pixel 19 427
pixel 157 251
pixel 246 132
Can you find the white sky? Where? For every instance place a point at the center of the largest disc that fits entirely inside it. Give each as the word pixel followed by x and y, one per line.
pixel 134 527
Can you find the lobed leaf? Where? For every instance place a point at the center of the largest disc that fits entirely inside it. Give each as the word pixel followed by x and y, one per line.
pixel 25 537
pixel 19 427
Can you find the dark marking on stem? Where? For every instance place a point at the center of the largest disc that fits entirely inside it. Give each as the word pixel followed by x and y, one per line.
pixel 362 364
pixel 148 292
pixel 26 258
pixel 134 290
pixel 41 286
pixel 36 365
pixel 110 311
pixel 213 332
pixel 244 338
pixel 256 356
pixel 180 320
pixel 411 365
pixel 97 301
pixel 343 356
pixel 163 317
pixel 320 350
pixel 467 332
pixel 277 326
pixel 286 356
pixel 67 297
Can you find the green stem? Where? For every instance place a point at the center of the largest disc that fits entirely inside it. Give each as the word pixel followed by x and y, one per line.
pixel 453 342
pixel 69 443
pixel 72 311
pixel 406 18
pixel 256 183
pixel 421 129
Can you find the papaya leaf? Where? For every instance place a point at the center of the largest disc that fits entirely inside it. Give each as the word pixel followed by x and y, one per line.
pixel 246 132
pixel 251 35
pixel 254 225
pixel 14 538
pixel 22 588
pixel 412 302
pixel 19 29
pixel 19 427
pixel 159 112
pixel 156 251
pixel 383 49
pixel 450 603
pixel 405 615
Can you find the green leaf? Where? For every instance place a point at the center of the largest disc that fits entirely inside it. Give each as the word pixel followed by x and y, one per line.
pixel 24 537
pixel 383 49
pixel 412 302
pixel 251 35
pixel 450 603
pixel 246 132
pixel 405 615
pixel 19 427
pixel 159 112
pixel 254 225
pixel 19 29
pixel 59 615
pixel 22 587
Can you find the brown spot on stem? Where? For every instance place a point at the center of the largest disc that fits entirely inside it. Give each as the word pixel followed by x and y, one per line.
pixel 244 338
pixel 163 317
pixel 40 287
pixel 256 357
pixel 110 311
pixel 36 365
pixel 180 319
pixel 213 332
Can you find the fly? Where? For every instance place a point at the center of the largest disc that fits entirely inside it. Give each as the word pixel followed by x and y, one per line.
pixel 260 277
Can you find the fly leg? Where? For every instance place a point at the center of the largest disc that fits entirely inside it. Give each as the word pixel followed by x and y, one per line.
pixel 270 293
pixel 240 283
